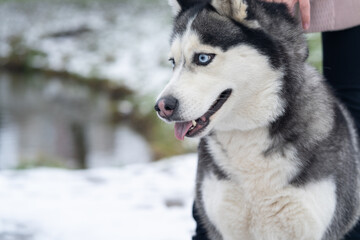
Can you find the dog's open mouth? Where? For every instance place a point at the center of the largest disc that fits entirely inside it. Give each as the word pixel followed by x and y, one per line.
pixel 192 128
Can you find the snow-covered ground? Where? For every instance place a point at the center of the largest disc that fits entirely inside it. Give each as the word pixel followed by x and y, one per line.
pixel 137 202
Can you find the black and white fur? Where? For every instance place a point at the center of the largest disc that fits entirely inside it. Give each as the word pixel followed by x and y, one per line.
pixel 280 158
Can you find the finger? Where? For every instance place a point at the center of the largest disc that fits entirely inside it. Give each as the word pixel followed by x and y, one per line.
pixel 292 6
pixel 305 13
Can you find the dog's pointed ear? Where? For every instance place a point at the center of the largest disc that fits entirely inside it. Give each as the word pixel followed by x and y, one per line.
pixel 181 5
pixel 238 10
pixel 174 4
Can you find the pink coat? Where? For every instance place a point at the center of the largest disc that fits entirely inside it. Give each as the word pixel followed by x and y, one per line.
pixel 329 15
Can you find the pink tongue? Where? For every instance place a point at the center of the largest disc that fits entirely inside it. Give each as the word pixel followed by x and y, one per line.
pixel 181 129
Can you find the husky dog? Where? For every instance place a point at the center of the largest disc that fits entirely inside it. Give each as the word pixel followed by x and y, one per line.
pixel 278 155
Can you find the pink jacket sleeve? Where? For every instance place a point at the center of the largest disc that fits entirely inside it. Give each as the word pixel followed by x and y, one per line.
pixel 330 15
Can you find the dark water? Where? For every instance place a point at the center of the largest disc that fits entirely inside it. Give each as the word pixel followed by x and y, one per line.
pixel 52 122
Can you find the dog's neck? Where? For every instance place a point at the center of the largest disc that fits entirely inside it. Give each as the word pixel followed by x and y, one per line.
pixel 230 143
pixel 244 154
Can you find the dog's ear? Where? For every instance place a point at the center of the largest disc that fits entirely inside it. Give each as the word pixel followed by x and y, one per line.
pixel 239 10
pixel 174 4
pixel 181 5
pixel 236 9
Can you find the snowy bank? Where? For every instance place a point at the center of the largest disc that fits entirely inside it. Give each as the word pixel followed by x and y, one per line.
pixel 137 202
pixel 125 42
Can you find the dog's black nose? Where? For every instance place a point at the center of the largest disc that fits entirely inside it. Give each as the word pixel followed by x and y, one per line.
pixel 166 106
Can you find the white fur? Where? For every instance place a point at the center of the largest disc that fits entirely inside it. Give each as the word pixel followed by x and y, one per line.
pixel 226 208
pixel 175 6
pixel 258 203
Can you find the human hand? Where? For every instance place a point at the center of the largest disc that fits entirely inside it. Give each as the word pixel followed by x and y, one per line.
pixel 304 9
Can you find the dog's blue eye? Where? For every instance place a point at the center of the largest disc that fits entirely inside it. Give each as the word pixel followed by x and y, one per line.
pixel 203 59
pixel 172 62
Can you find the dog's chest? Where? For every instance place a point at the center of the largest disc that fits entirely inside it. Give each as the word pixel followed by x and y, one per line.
pixel 253 176
pixel 256 199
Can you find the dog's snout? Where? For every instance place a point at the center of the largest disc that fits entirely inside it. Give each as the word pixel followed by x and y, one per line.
pixel 166 106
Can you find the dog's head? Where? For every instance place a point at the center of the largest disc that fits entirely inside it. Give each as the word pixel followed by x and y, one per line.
pixel 229 59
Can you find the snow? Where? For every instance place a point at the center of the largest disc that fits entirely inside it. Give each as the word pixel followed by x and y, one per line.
pixel 143 201
pixel 125 42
